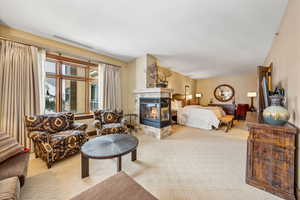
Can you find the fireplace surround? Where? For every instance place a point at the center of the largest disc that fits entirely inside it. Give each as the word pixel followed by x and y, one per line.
pixel 155 112
pixel 153 106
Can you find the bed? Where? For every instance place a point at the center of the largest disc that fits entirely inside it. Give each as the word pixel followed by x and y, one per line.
pixel 196 116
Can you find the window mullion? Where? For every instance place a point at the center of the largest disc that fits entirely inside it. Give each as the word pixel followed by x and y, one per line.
pixel 59 88
pixel 87 91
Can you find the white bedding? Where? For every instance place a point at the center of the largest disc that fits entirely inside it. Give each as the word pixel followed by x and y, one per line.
pixel 200 117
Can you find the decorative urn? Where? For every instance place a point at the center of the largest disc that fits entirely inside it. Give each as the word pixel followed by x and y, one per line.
pixel 276 114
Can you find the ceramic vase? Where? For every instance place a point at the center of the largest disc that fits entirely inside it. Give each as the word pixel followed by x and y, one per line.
pixel 276 114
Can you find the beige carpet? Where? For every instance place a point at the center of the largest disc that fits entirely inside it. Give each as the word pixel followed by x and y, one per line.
pixel 191 164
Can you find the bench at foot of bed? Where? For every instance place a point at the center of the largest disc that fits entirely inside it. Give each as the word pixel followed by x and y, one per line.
pixel 227 120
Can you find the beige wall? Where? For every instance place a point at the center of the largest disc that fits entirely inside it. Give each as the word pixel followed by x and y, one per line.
pixel 178 81
pixel 285 55
pixel 242 84
pixel 135 75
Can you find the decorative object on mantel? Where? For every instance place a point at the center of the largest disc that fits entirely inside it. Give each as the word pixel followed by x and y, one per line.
pixel 152 75
pixel 252 95
pixel 163 74
pixel 276 114
pixel 224 93
pixel 198 96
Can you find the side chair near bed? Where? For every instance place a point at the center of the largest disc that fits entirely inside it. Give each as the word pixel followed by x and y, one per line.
pixel 55 136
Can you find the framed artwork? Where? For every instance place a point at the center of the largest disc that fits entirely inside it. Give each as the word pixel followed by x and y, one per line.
pixel 224 93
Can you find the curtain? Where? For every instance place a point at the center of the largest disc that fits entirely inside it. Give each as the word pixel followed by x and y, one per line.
pixel 20 88
pixel 110 87
pixel 41 79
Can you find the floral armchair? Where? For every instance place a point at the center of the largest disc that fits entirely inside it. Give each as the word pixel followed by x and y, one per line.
pixel 55 136
pixel 110 122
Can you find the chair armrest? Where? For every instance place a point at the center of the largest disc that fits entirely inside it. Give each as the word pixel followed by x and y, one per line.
pixel 97 124
pixel 39 136
pixel 79 126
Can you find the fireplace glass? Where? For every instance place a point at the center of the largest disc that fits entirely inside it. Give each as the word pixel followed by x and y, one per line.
pixel 155 112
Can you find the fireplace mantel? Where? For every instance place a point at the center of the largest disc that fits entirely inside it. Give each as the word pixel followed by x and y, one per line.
pixel 153 90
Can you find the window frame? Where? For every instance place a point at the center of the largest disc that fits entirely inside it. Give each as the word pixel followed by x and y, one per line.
pixel 59 77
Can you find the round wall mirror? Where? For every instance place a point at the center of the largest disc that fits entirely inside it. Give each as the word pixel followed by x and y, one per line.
pixel 224 93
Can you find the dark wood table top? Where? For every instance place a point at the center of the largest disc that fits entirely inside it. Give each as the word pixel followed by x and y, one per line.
pixel 109 146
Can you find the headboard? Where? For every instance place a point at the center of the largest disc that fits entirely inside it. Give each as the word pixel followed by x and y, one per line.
pixel 229 109
pixel 179 97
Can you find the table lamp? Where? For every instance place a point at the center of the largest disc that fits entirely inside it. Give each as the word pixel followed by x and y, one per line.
pixel 252 95
pixel 198 96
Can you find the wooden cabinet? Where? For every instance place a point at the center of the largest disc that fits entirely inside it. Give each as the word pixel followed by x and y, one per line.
pixel 271 157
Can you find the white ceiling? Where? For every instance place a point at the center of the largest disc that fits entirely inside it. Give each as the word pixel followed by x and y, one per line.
pixel 198 38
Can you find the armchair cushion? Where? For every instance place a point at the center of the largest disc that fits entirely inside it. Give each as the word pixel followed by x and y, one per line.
pixel 68 139
pixel 113 128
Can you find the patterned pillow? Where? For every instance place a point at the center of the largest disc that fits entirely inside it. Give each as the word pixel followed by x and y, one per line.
pixel 54 124
pixel 110 117
pixel 35 123
pixel 51 123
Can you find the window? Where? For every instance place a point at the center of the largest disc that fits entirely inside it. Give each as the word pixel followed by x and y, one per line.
pixel 70 85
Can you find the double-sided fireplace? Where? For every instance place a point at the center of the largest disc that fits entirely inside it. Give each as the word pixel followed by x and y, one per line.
pixel 155 112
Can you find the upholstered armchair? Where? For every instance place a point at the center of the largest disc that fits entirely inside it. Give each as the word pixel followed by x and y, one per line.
pixel 110 122
pixel 55 136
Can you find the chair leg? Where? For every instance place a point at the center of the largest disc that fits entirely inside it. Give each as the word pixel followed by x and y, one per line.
pixel 49 165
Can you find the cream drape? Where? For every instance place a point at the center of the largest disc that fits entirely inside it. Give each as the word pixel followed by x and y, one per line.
pixel 110 87
pixel 19 88
pixel 41 78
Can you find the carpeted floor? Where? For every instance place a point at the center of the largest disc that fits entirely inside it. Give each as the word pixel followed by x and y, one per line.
pixel 191 164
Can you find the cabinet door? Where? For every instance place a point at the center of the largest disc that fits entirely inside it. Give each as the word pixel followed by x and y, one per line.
pixel 272 166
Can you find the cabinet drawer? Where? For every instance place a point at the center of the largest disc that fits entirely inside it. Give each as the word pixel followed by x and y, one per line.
pixel 273 137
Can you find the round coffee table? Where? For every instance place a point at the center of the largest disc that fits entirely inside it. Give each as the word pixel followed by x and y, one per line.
pixel 105 147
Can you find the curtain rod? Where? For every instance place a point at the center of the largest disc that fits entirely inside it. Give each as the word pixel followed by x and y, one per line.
pixel 53 51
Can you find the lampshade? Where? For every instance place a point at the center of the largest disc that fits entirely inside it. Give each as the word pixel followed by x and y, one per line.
pixel 199 95
pixel 189 96
pixel 251 94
